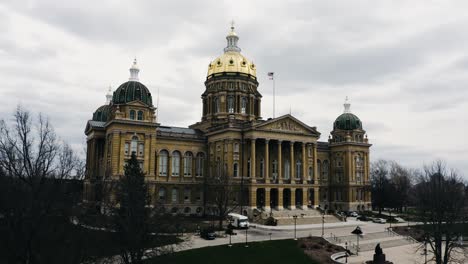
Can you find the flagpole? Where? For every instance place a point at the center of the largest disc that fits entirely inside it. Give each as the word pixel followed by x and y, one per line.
pixel 274 97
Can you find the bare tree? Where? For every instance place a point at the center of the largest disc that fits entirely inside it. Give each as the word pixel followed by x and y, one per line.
pixel 379 183
pixel 35 201
pixel 440 202
pixel 222 193
pixel 400 186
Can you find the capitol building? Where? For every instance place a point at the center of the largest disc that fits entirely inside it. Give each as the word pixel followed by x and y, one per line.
pixel 277 163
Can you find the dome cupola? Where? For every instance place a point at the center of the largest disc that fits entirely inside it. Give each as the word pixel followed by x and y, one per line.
pixel 232 61
pixel 347 120
pixel 133 90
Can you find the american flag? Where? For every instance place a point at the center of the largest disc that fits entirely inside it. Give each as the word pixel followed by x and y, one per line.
pixel 271 74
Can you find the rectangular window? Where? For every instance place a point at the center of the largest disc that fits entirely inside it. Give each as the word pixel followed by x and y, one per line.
pixel 188 166
pixel 127 148
pixel 141 149
pixel 262 168
pixel 187 195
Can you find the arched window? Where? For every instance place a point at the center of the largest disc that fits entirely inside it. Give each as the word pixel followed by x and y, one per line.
pixel 262 167
pixel 236 169
pixel 274 169
pixel 163 162
pixel 244 105
pixel 287 170
pixel 132 114
pixel 215 105
pixel 325 170
pixel 175 195
pixel 175 163
pixel 188 164
pixel 199 165
pixel 140 115
pixel 298 169
pixel 134 145
pixel 230 103
pixel 187 194
pixel 162 194
pixel 311 173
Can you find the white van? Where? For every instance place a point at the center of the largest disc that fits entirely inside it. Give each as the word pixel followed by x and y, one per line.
pixel 238 221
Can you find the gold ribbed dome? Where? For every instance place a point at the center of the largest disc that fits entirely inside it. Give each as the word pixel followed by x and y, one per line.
pixel 232 60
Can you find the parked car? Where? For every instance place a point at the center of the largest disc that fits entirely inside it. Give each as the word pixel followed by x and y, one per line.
pixel 353 214
pixel 208 234
pixel 363 218
pixel 379 220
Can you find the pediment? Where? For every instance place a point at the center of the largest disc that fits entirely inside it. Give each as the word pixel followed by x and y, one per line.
pixel 287 123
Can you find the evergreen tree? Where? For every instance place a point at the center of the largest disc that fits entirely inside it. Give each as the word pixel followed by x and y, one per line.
pixel 132 216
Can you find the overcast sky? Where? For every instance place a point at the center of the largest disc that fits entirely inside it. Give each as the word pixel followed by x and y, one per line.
pixel 404 64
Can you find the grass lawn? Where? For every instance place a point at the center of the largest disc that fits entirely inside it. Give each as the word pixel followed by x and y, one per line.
pixel 267 252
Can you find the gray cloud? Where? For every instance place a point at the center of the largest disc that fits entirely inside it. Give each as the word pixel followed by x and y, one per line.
pixel 403 64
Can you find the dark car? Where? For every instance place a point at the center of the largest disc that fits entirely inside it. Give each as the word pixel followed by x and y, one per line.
pixel 208 234
pixel 363 218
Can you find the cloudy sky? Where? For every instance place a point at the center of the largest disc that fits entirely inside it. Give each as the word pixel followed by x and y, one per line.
pixel 404 64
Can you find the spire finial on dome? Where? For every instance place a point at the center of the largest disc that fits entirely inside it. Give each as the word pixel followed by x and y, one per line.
pixel 109 95
pixel 232 39
pixel 347 106
pixel 134 70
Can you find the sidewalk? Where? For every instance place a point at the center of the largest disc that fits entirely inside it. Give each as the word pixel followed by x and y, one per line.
pixel 309 226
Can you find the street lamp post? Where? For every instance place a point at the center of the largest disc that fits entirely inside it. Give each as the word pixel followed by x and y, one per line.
pixel 357 231
pixel 295 219
pixel 346 256
pixel 390 219
pixel 323 224
pixel 230 231
pixel 246 245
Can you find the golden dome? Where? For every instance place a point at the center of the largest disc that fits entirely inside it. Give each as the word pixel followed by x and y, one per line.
pixel 232 60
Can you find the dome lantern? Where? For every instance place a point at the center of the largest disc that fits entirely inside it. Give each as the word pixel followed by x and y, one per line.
pixel 232 39
pixel 134 70
pixel 109 95
pixel 347 120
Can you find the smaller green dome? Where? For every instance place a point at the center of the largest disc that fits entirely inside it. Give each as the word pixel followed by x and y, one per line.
pixel 347 121
pixel 132 91
pixel 102 113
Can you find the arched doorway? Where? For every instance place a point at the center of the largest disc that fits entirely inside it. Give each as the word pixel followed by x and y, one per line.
pixel 274 198
pixel 260 198
pixel 312 197
pixel 299 199
pixel 287 198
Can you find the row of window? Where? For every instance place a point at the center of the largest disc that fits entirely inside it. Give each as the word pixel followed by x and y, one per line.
pixel 134 147
pixel 136 115
pixel 230 105
pixel 162 195
pixel 163 164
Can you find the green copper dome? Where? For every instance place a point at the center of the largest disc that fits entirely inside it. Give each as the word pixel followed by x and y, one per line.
pixel 347 121
pixel 102 113
pixel 132 91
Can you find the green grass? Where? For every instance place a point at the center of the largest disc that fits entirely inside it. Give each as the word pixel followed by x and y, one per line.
pixel 267 252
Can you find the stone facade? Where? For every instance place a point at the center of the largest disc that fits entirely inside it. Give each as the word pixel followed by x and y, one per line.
pixel 278 163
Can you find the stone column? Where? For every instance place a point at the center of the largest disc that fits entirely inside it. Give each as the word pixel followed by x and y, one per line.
pixel 316 172
pixel 316 196
pixel 266 165
pixel 293 198
pixel 253 197
pixel 305 198
pixel 292 162
pixel 305 169
pixel 267 200
pixel 280 198
pixel 252 160
pixel 280 163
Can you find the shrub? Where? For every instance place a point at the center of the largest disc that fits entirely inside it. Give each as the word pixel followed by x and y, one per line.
pixel 271 221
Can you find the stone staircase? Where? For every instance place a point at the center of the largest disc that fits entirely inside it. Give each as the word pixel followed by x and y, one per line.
pixel 310 216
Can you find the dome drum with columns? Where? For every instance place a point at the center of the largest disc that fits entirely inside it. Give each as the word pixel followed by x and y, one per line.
pixel 278 165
